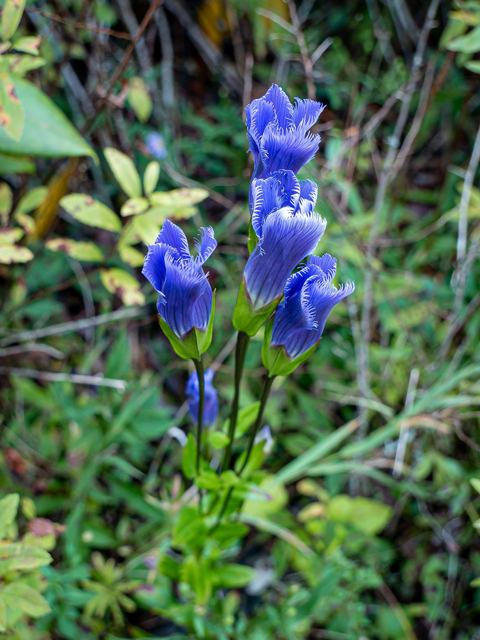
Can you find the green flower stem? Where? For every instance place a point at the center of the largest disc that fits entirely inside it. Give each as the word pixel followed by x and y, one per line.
pixel 201 402
pixel 241 351
pixel 253 432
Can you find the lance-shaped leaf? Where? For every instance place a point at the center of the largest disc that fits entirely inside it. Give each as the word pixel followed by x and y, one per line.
pixel 89 211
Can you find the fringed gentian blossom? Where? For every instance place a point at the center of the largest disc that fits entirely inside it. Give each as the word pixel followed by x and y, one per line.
pixel 288 229
pixel 309 298
pixel 279 132
pixel 185 300
pixel 210 410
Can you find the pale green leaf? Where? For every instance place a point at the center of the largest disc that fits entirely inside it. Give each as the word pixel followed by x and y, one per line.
pixel 17 556
pixel 20 63
pixel 8 513
pixel 12 113
pixel 11 16
pixel 130 255
pixel 134 206
pixel 146 228
pixel 27 599
pixel 3 616
pixel 89 211
pixel 139 99
pixel 10 253
pixel 87 251
pixel 178 197
pixel 124 285
pixel 28 44
pixel 363 514
pixel 233 575
pixel 11 165
pixel 124 171
pixel 150 177
pixel 10 236
pixel 6 198
pixel 31 200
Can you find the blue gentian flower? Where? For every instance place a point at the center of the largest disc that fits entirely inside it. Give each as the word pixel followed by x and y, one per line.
pixel 210 410
pixel 185 300
pixel 156 145
pixel 309 298
pixel 287 228
pixel 278 132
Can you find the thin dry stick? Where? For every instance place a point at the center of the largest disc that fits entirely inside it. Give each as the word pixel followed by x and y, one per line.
pixel 461 275
pixel 75 325
pixel 302 45
pixel 80 25
pixel 74 378
pixel 404 429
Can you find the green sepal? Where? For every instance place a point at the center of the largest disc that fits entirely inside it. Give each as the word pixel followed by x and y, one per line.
pixel 245 318
pixel 252 237
pixel 276 360
pixel 195 342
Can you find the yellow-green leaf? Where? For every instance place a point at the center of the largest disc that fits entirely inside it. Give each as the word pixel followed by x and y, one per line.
pixel 11 16
pixel 28 44
pixel 27 599
pixel 26 222
pixel 146 227
pixel 12 253
pixel 124 171
pixel 124 285
pixel 8 513
pixel 87 251
pixel 150 177
pixel 89 211
pixel 31 200
pixel 139 99
pixel 134 206
pixel 178 197
pixel 10 236
pixel 12 114
pixel 5 199
pixel 130 255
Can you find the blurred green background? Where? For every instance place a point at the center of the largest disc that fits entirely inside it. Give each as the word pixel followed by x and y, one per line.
pixel 369 529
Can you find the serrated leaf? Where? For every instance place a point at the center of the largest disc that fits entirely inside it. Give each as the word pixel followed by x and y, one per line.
pixel 131 256
pixel 12 114
pixel 8 513
pixel 134 206
pixel 124 285
pixel 11 16
pixel 87 251
pixel 139 99
pixel 11 253
pixel 89 211
pixel 124 171
pixel 47 132
pixel 10 236
pixel 150 177
pixel 27 599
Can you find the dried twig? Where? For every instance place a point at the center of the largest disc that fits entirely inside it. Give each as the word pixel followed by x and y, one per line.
pixel 73 378
pixel 80 25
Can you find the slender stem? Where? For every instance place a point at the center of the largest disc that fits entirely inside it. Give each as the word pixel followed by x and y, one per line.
pixel 201 402
pixel 253 432
pixel 241 351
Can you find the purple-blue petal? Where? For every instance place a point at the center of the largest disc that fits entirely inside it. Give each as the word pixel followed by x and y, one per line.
pixel 205 246
pixel 154 265
pixel 306 114
pixel 172 235
pixel 283 107
pixel 286 149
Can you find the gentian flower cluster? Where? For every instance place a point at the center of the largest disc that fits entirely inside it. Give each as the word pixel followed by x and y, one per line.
pixel 285 284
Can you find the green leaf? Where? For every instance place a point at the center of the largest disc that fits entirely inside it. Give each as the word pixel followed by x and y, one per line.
pixel 134 206
pixel 275 498
pixel 245 318
pixel 11 165
pixel 189 458
pixel 300 465
pixel 131 256
pixel 18 595
pixel 124 171
pixel 473 65
pixel 19 63
pixel 276 360
pixel 197 574
pixel 178 198
pixel 233 575
pixel 229 532
pixel 31 200
pixel 124 285
pixel 146 227
pixel 364 514
pixel 475 482
pixel 189 530
pixel 3 616
pixel 11 16
pixel 8 513
pixel 469 43
pixel 12 113
pixel 87 251
pixel 217 439
pixel 10 236
pixel 89 211
pixel 28 44
pixel 6 198
pixel 139 99
pixel 246 417
pixel 16 556
pixel 47 132
pixel 150 177
pixel 10 253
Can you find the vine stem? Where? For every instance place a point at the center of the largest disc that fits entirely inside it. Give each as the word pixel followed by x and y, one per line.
pixel 253 432
pixel 240 352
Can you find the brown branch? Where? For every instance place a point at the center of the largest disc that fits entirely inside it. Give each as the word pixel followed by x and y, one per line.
pixel 80 25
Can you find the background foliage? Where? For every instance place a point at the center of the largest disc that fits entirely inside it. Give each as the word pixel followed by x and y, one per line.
pixel 363 520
